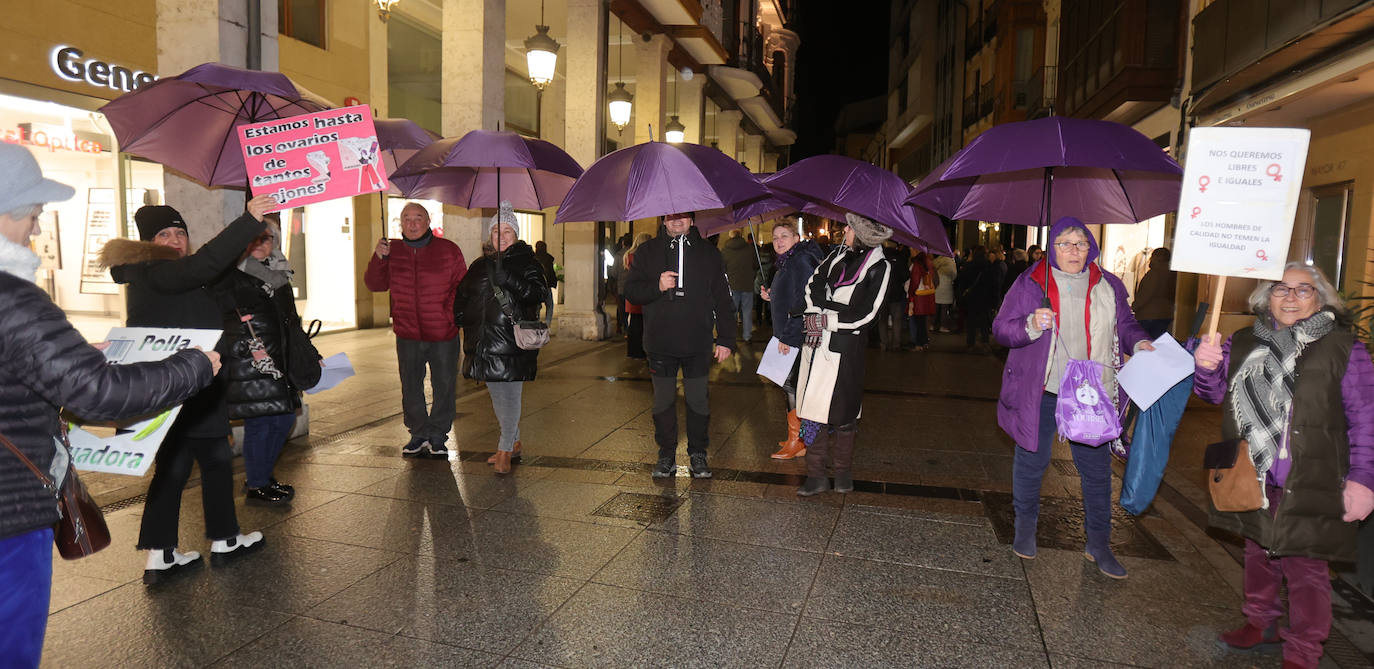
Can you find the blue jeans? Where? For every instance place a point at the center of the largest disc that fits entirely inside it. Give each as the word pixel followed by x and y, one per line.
pixel 263 438
pixel 744 306
pixel 25 588
pixel 1094 471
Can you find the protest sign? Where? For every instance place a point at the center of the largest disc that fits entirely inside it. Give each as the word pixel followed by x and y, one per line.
pixel 313 157
pixel 1240 193
pixel 128 447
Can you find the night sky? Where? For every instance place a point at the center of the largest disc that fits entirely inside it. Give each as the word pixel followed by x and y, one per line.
pixel 843 58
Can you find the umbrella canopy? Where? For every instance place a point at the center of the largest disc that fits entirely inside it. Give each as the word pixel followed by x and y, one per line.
pixel 831 186
pixel 190 122
pixel 399 139
pixel 655 179
pixel 484 167
pixel 767 208
pixel 1036 172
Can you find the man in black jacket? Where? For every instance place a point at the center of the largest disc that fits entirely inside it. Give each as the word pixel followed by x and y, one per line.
pixel 166 288
pixel 689 321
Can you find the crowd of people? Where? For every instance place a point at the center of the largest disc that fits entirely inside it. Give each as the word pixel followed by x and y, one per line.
pixel 1296 386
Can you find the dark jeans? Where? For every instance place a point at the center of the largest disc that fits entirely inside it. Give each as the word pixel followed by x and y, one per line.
pixel 441 357
pixel 634 342
pixel 25 590
pixel 919 335
pixel 944 316
pixel 263 438
pixel 162 510
pixel 890 318
pixel 664 369
pixel 1094 471
pixel 1156 326
pixel 979 325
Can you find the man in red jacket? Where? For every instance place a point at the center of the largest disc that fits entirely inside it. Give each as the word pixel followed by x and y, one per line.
pixel 422 273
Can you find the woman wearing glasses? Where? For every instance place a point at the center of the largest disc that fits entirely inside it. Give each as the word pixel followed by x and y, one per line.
pixel 1089 318
pixel 1298 388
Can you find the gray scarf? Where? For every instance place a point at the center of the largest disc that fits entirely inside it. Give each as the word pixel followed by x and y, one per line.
pixel 275 271
pixel 1264 384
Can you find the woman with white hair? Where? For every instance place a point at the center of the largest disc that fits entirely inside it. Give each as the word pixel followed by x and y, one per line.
pixel 842 302
pixel 502 287
pixel 1297 390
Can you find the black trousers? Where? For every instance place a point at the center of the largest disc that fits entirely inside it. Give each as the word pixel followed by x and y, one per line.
pixel 413 357
pixel 162 510
pixel 663 370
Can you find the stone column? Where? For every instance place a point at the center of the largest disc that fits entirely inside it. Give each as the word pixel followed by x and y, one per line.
pixel 753 152
pixel 689 106
pixel 584 120
pixel 474 93
pixel 651 75
pixel 727 129
pixel 374 309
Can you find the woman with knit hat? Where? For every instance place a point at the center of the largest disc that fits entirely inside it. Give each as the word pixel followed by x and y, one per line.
pixel 502 287
pixel 167 288
pixel 842 302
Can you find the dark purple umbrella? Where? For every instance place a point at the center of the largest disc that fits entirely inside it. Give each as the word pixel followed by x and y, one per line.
pixel 1036 172
pixel 833 185
pixel 484 167
pixel 190 122
pixel 398 140
pixel 655 179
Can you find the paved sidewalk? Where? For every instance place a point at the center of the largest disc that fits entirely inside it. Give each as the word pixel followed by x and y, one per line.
pixel 581 559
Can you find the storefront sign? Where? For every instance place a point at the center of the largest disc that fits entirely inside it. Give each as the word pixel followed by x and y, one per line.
pixel 1240 193
pixel 131 446
pixel 100 228
pixel 70 63
pixel 315 157
pixel 48 137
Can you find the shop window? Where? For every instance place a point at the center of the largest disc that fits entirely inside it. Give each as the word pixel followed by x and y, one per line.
pixel 1330 219
pixel 302 20
pixel 414 68
pixel 522 105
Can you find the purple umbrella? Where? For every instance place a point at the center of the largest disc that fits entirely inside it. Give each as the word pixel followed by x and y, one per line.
pixel 190 122
pixel 832 185
pixel 484 167
pixel 399 139
pixel 655 179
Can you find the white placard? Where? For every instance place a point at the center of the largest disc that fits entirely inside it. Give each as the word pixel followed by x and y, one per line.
pixel 128 447
pixel 1240 193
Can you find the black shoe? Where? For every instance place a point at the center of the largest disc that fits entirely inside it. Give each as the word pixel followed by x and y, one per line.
pixel 814 485
pixel 435 451
pixel 666 467
pixel 698 467
pixel 282 488
pixel 266 496
pixel 414 447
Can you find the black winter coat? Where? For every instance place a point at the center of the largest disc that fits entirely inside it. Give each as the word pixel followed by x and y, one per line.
pixel 787 293
pixel 170 292
pixel 690 324
pixel 489 350
pixel 251 393
pixel 44 365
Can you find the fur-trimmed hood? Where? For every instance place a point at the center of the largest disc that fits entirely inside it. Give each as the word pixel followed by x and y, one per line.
pixel 119 252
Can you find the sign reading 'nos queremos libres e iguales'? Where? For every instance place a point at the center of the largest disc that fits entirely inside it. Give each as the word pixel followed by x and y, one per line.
pixel 129 447
pixel 313 157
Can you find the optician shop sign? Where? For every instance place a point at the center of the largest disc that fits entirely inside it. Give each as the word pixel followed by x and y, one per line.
pixel 71 63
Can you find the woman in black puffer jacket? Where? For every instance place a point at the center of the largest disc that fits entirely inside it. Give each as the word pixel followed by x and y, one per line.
pixel 260 390
pixel 489 350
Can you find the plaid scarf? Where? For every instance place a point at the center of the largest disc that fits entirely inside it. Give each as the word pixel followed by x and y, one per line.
pixel 1265 382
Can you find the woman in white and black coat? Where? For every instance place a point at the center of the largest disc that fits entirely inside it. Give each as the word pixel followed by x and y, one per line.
pixel 843 299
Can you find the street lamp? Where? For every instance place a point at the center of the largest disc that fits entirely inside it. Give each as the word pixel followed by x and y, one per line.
pixel 384 8
pixel 674 131
pixel 541 53
pixel 620 101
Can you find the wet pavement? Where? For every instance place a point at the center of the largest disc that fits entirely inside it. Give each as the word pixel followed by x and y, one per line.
pixel 579 558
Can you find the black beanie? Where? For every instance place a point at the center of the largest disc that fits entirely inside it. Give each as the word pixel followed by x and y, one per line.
pixel 151 219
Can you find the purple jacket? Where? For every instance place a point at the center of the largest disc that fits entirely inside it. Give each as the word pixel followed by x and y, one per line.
pixel 1023 379
pixel 1357 394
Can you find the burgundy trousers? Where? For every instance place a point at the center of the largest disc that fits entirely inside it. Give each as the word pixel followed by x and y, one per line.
pixel 1309 598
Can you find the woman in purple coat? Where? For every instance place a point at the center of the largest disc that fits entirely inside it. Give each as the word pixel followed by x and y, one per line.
pixel 1298 388
pixel 1089 319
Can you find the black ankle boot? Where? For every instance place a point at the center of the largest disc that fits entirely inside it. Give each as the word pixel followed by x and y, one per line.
pixel 266 496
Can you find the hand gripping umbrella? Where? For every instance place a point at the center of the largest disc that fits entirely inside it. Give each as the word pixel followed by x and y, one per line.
pixel 190 122
pixel 1036 172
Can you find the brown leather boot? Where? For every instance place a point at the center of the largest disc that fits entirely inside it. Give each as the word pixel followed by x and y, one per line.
pixel 794 447
pixel 502 464
pixel 514 455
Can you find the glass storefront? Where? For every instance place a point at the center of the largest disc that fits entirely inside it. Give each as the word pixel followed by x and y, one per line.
pixel 317 240
pixel 1126 249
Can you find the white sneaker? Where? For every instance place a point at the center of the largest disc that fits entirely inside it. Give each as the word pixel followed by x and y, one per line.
pixel 223 550
pixel 163 562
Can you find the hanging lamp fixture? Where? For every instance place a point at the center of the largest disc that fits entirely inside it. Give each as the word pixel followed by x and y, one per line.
pixel 620 101
pixel 541 54
pixel 673 131
pixel 384 8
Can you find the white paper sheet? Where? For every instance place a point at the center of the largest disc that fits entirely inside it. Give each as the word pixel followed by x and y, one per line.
pixel 776 366
pixel 337 367
pixel 1150 374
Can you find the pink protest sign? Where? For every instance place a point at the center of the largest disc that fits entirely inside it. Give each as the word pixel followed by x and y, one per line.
pixel 313 157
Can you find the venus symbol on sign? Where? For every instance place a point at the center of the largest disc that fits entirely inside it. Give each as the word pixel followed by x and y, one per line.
pixel 1274 171
pixel 1202 184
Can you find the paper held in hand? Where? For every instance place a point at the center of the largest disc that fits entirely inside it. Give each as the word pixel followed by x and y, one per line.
pixel 776 366
pixel 1150 374
pixel 128 447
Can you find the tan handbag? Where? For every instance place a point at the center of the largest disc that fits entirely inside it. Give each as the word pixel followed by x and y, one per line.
pixel 1231 478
